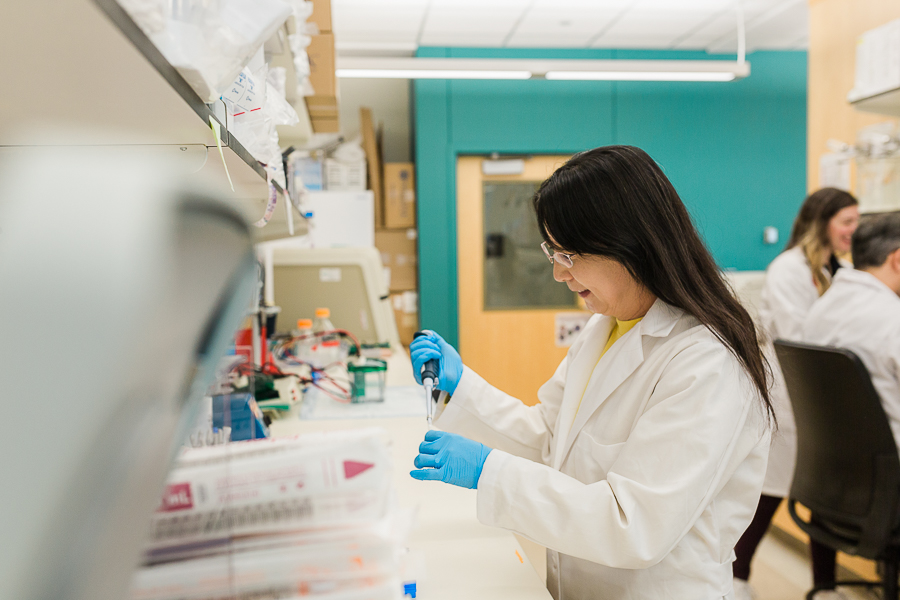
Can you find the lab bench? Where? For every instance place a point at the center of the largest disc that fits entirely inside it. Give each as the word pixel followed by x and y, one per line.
pixel 463 558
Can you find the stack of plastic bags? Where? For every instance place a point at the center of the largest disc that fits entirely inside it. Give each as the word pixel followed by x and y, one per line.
pixel 217 47
pixel 255 103
pixel 311 517
pixel 209 42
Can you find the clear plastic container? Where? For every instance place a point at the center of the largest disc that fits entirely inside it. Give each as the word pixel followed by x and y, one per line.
pixel 327 348
pixel 303 348
pixel 367 378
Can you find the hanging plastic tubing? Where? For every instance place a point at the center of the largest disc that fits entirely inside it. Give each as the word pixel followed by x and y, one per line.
pixel 273 200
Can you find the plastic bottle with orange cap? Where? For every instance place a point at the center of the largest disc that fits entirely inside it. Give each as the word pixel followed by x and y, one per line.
pixel 327 348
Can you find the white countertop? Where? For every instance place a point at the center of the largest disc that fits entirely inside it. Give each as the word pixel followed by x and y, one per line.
pixel 463 558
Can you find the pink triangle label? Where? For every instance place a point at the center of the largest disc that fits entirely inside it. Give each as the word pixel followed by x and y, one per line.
pixel 353 468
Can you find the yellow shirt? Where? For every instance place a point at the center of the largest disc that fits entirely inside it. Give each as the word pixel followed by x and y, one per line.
pixel 620 329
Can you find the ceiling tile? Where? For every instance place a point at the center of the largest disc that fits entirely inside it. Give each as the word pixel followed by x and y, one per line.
pixel 375 38
pixel 655 28
pixel 782 25
pixel 463 39
pixel 549 41
pixel 584 5
pixel 682 24
pixel 784 30
pixel 544 20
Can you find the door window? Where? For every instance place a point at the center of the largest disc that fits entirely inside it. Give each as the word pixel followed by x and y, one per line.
pixel 517 274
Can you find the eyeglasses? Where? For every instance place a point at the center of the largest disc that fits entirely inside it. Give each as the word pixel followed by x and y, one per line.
pixel 563 259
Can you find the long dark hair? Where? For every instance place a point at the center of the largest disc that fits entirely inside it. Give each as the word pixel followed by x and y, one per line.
pixel 616 202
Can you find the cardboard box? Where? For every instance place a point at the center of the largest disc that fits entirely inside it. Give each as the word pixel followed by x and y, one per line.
pixel 322 113
pixel 399 195
pixel 406 315
pixel 325 125
pixel 373 160
pixel 321 15
pixel 399 255
pixel 321 66
pixel 322 107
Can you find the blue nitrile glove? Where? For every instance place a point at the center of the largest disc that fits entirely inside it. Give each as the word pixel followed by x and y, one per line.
pixel 424 348
pixel 454 458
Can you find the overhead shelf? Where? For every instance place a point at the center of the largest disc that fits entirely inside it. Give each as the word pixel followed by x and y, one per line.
pixel 883 103
pixel 90 76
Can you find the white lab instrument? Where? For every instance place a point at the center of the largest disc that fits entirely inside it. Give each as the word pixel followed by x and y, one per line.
pixel 143 283
pixel 647 492
pixel 349 281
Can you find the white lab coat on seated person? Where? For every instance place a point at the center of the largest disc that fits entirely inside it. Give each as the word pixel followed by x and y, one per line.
pixel 645 495
pixel 787 295
pixel 862 314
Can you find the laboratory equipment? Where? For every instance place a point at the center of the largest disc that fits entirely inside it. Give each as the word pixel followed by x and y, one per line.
pixel 327 345
pixel 241 414
pixel 433 347
pixel 146 280
pixel 265 519
pixel 368 377
pixel 430 371
pixel 350 281
pixel 303 347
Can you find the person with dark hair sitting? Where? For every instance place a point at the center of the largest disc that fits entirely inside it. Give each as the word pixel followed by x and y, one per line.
pixel 861 312
pixel 644 460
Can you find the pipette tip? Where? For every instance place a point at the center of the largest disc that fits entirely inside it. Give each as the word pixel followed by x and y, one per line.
pixel 428 384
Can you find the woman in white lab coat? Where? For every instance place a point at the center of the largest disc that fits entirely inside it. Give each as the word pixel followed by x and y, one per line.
pixel 641 465
pixel 795 279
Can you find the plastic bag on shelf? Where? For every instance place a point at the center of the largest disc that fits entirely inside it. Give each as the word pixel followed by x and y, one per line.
pixel 277 77
pixel 149 15
pixel 245 101
pixel 256 129
pixel 210 42
pixel 303 9
pixel 298 43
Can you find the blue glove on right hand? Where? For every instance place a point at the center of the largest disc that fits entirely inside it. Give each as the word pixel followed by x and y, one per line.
pixel 426 347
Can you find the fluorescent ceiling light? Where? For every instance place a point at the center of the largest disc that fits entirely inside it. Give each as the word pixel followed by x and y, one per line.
pixel 640 75
pixel 429 74
pixel 526 68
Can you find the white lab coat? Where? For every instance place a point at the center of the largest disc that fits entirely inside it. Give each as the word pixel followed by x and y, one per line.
pixel 862 314
pixel 787 295
pixel 645 495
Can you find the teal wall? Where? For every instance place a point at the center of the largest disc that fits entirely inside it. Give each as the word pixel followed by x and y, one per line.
pixel 736 151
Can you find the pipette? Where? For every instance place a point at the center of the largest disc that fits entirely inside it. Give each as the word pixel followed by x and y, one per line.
pixel 429 378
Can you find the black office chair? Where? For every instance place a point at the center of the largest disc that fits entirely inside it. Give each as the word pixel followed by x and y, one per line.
pixel 848 468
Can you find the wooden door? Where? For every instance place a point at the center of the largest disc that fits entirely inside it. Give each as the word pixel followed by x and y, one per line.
pixel 508 300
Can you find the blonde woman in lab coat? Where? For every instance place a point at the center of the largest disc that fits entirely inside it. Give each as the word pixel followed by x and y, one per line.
pixel 641 465
pixel 794 281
